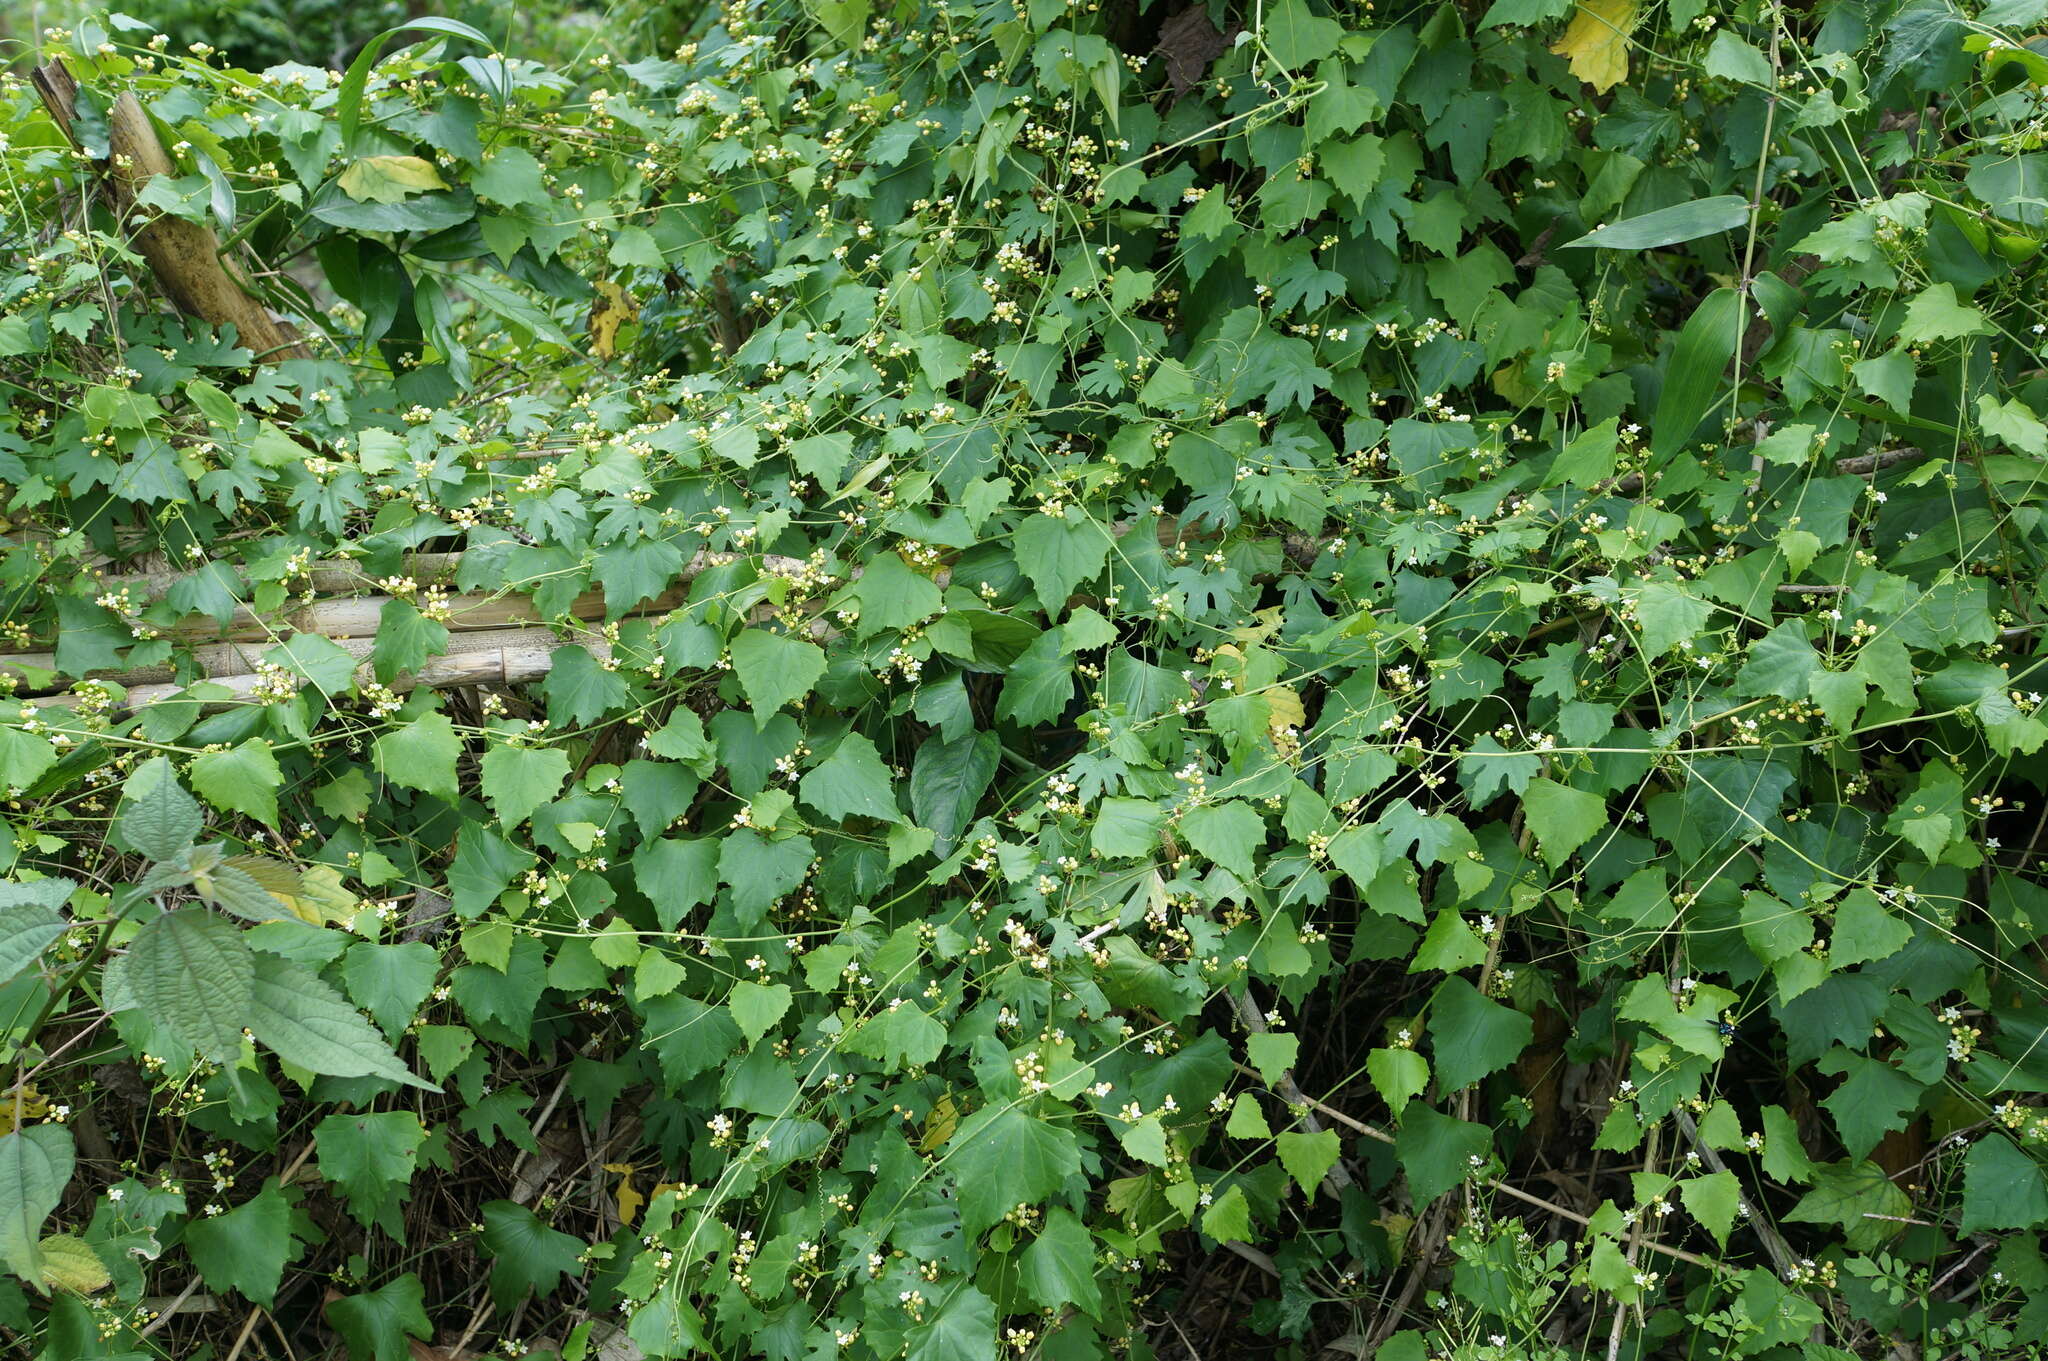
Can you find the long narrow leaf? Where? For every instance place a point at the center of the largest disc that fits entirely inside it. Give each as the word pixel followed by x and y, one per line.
pixel 1669 226
pixel 350 102
pixel 1692 377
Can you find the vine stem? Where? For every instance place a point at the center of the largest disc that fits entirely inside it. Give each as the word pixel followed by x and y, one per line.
pixel 1358 1126
pixel 63 989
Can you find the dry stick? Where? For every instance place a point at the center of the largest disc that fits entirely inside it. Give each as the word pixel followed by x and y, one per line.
pixel 170 1310
pixel 248 1330
pixel 1339 1176
pixel 1637 1239
pixel 184 256
pixel 1774 1242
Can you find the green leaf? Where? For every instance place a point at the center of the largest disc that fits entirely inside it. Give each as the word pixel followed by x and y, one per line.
pixel 1784 1157
pixel 1298 37
pixel 581 690
pixel 677 874
pixel 1449 945
pixel 420 755
pixel 947 781
pixel 898 1036
pixel 1308 1158
pixel 1562 818
pixel 774 669
pixel 1272 1052
pixel 687 1036
pixel 1058 1270
pixel 157 818
pixel 1730 58
pixel 1126 827
pixel 1864 931
pixel 518 780
pixel 390 981
pixel 1247 1121
pixel 330 667
pixel 1852 1195
pixel 35 1167
pixel 1587 459
pixel 851 782
pixel 1694 1030
pixel 526 1255
pixel 485 863
pixel 1229 1218
pixel 376 1324
pixel 247 1248
pixel 371 1157
pixel 1040 683
pixel 1693 374
pixel 1789 446
pixel 305 1022
pixel 963 1327
pixel 191 973
pixel 29 922
pixel 1058 553
pixel 1473 1035
pixel 23 758
pixel 1002 1157
pixel 1669 616
pixel 1398 1075
pixel 761 871
pixel 756 1007
pixel 2002 1187
pixel 1670 226
pixel 2014 423
pixel 1781 663
pixel 510 177
pixel 1713 1200
pixel 892 596
pixel 1937 314
pixel 1874 1099
pixel 1227 833
pixel 1438 1151
pixel 349 101
pixel 1889 377
pixel 405 639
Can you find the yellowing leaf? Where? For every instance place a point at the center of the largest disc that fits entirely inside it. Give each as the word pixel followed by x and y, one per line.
pixel 313 895
pixel 1283 707
pixel 1596 41
pixel 630 1199
pixel 32 1104
pixel 389 179
pixel 612 310
pixel 938 1126
pixel 69 1263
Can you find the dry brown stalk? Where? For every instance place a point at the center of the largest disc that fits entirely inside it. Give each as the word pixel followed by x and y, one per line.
pixel 185 256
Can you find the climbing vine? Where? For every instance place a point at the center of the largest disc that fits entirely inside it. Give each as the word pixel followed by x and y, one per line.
pixel 870 687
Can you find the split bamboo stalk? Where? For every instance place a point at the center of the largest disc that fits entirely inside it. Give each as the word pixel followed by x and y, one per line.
pixel 343 617
pixel 185 256
pixel 216 661
pixel 508 657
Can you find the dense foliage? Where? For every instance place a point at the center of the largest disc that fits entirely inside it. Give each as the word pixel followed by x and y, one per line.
pixel 1400 643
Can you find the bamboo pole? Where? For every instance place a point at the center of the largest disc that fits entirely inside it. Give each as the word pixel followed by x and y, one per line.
pixel 343 616
pixel 506 657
